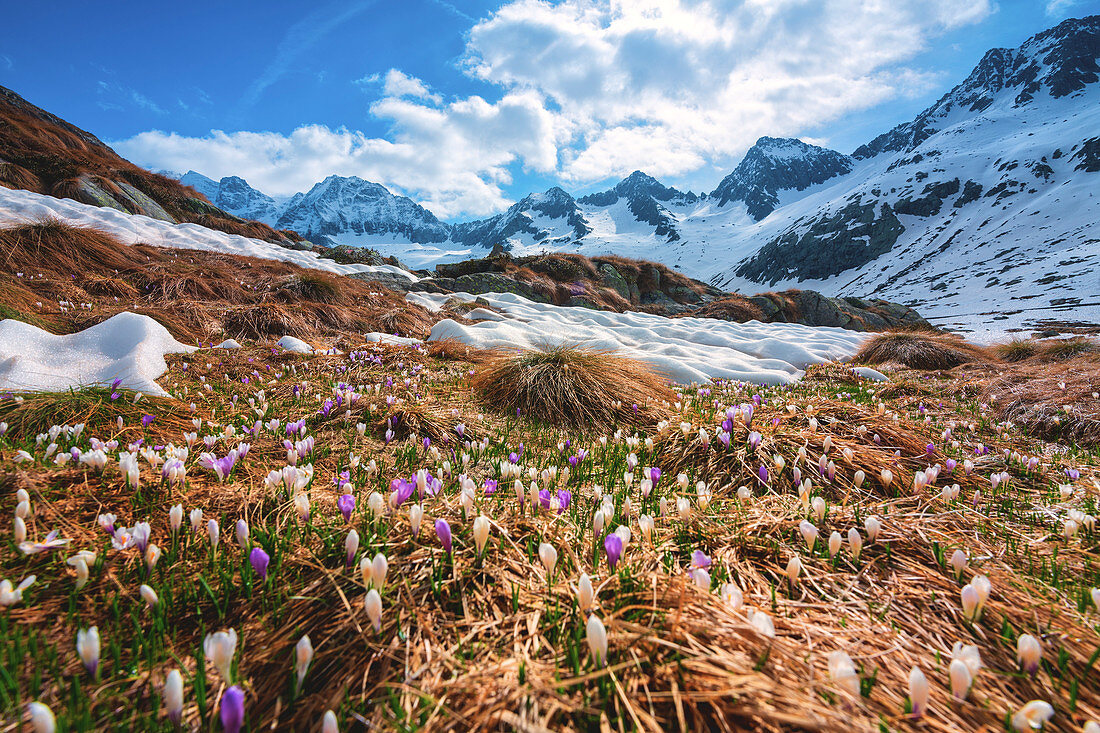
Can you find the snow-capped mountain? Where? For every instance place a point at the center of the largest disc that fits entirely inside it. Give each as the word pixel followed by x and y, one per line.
pixel 235 196
pixel 351 206
pixel 774 165
pixel 336 210
pixel 984 207
pixel 551 219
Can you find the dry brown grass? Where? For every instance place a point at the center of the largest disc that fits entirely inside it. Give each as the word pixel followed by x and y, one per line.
pixel 454 350
pixel 1051 400
pixel 573 386
pixel 927 350
pixel 735 308
pixel 198 296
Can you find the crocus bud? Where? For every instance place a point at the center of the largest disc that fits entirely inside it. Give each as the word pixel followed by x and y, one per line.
pixel 87 648
pixel 645 524
pixel 301 505
pixel 380 567
pixel 148 595
pixel 242 533
pixel 918 691
pixel 549 557
pixel 175 517
pixel 683 508
pixel 596 635
pixel 443 531
pixel 971 603
pixel 219 649
pixel 1029 652
pixel 173 696
pixel 613 546
pixel 416 515
pixel 232 710
pixel 794 568
pixel 855 543
pixel 213 532
pixel 835 543
pixel 819 508
pixel 732 595
pixel 303 657
pixel 42 718
pixel 328 723
pixel 960 679
pixel 843 672
pixel 196 520
pixel 809 534
pixel 585 593
pixel 259 561
pixel 481 533
pixel 872 525
pixel 351 546
pixel 958 562
pixel 152 557
pixel 373 604
pixel 1033 715
pixel 887 477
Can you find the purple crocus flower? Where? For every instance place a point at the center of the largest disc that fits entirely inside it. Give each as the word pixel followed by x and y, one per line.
pixel 443 531
pixel 950 464
pixel 402 489
pixel 346 505
pixel 654 475
pixel 513 457
pixel 930 449
pixel 490 486
pixel 564 497
pixel 613 546
pixel 232 710
pixel 427 443
pixel 1073 474
pixel 260 560
pixel 763 473
pixel 573 461
pixel 146 420
pixel 544 498
pixel 699 559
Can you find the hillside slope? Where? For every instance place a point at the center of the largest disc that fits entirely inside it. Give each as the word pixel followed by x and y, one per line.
pixel 43 153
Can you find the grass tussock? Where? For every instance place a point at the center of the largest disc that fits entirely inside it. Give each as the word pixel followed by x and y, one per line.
pixel 1056 401
pixel 735 308
pixel 573 386
pixel 926 350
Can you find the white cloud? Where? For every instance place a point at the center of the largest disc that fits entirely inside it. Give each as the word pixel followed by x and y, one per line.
pixel 597 88
pixel 1057 8
pixel 454 159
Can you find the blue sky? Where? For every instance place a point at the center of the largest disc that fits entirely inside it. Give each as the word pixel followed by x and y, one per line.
pixel 468 105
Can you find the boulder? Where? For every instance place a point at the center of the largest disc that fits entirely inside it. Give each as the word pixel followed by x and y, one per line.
pixel 613 279
pixel 492 282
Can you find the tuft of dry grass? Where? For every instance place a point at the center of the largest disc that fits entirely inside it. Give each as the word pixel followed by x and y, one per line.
pixel 927 350
pixel 574 386
pixel 98 409
pixel 735 308
pixel 1016 350
pixel 454 350
pixel 1050 400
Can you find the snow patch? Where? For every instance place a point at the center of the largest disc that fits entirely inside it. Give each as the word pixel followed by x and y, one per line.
pixel 685 349
pixel 127 347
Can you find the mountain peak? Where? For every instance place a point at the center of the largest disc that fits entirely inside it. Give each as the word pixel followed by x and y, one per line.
pixel 777 164
pixel 1056 62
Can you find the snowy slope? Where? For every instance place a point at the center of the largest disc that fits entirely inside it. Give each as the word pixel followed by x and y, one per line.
pixel 20 207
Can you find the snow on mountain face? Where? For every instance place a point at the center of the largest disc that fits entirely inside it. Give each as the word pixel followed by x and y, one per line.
pixel 338 206
pixel 233 194
pixel 773 165
pixel 648 200
pixel 981 213
pixel 548 219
